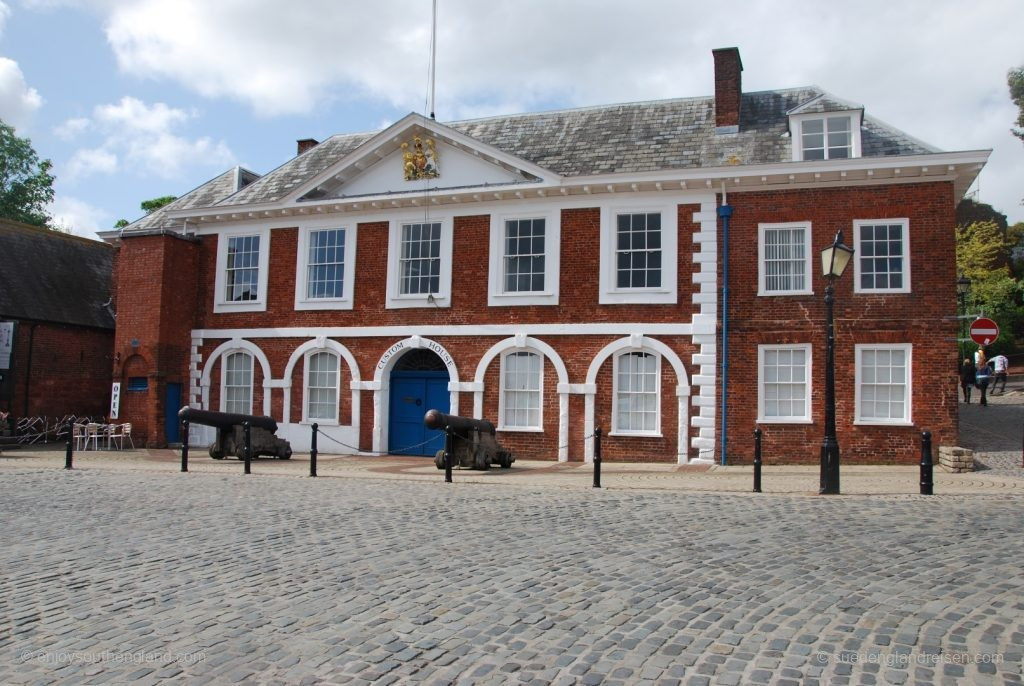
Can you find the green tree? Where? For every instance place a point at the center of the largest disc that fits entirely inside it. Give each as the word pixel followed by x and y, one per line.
pixel 1015 80
pixel 26 185
pixel 982 255
pixel 121 223
pixel 151 206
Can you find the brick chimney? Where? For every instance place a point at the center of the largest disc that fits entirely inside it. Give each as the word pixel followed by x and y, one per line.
pixel 728 89
pixel 305 144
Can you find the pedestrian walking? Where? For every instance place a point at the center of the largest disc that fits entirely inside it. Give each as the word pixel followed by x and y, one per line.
pixel 968 377
pixel 983 376
pixel 1001 366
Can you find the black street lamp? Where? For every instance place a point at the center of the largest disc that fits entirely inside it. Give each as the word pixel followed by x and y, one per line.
pixel 834 259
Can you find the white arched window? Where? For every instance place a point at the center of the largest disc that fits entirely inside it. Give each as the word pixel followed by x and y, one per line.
pixel 236 383
pixel 321 390
pixel 521 391
pixel 636 400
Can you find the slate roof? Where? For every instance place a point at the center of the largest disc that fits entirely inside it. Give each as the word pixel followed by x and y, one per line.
pixel 632 137
pixel 54 277
pixel 626 138
pixel 210 193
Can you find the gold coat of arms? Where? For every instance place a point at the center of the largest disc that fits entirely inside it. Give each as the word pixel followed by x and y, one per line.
pixel 419 160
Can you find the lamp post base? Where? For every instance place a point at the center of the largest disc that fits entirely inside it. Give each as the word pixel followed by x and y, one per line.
pixel 829 467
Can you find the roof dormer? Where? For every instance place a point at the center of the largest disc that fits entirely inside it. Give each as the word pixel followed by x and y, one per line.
pixel 826 128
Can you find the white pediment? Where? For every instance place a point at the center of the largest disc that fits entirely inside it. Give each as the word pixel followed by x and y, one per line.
pixel 457 169
pixel 378 167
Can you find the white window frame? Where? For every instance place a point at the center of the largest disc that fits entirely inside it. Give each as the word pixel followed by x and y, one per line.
pixel 796 122
pixel 616 429
pixel 327 421
pixel 808 263
pixel 502 426
pixel 907 419
pixel 224 378
pixel 610 294
pixel 222 304
pixel 302 301
pixel 806 418
pixel 859 253
pixel 497 295
pixel 443 298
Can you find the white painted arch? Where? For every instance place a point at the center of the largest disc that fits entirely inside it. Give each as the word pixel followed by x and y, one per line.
pixel 525 343
pixel 231 346
pixel 317 344
pixel 382 383
pixel 639 343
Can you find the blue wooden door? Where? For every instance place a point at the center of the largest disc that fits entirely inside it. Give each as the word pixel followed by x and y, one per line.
pixel 172 403
pixel 412 394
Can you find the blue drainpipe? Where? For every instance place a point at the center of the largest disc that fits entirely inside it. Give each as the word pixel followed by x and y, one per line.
pixel 725 211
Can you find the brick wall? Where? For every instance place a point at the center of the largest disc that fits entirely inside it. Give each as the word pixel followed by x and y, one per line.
pixel 69 372
pixel 156 295
pixel 921 317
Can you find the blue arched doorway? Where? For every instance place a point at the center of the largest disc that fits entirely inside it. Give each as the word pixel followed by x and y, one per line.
pixel 419 382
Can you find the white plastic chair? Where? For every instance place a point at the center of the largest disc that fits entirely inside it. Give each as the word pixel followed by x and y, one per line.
pixel 78 435
pixel 93 431
pixel 115 436
pixel 126 434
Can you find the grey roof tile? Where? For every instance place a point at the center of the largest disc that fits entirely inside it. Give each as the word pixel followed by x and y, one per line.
pixel 50 276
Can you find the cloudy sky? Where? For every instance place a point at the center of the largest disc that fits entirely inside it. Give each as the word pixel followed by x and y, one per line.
pixel 134 99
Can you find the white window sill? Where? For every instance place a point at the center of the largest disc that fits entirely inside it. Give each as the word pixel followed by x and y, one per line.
pixel 638 297
pixel 521 429
pixel 783 420
pixel 521 299
pixel 245 306
pixel 402 302
pixel 319 422
pixel 324 304
pixel 636 434
pixel 772 294
pixel 880 291
pixel 869 422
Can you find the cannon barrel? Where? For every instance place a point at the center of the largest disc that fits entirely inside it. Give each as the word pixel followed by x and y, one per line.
pixel 225 420
pixel 435 419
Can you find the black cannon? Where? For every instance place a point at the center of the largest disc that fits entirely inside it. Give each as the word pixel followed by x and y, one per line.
pixel 231 434
pixel 473 443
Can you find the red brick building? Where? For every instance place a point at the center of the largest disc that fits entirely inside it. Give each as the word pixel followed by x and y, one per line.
pixel 56 323
pixel 561 271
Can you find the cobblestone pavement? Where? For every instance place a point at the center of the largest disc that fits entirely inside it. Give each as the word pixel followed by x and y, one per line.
pixel 145 576
pixel 996 432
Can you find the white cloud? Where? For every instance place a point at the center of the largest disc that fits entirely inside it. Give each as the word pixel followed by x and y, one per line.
pixel 71 128
pixel 81 218
pixel 935 68
pixel 139 137
pixel 88 161
pixel 17 100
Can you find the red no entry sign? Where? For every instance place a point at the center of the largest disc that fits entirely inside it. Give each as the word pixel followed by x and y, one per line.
pixel 984 331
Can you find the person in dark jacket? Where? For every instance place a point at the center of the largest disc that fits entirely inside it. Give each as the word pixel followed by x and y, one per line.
pixel 983 376
pixel 968 377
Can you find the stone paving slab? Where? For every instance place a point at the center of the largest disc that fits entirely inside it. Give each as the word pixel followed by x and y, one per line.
pixel 149 576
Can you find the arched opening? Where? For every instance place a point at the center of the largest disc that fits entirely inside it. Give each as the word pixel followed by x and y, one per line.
pixel 419 382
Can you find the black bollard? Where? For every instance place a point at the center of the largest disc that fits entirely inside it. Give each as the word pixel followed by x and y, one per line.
pixel 927 483
pixel 757 460
pixel 597 457
pixel 68 448
pixel 184 445
pixel 312 451
pixel 247 427
pixel 448 448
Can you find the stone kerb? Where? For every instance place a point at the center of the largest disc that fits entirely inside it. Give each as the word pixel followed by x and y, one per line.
pixel 955 459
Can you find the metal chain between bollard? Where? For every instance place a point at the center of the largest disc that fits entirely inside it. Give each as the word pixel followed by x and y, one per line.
pixel 757 460
pixel 927 482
